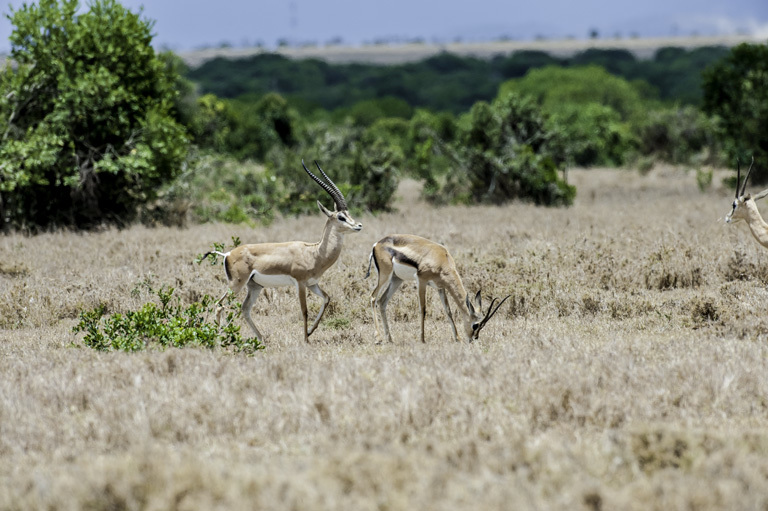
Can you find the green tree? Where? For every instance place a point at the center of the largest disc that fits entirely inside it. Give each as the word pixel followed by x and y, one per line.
pixel 556 86
pixel 507 150
pixel 86 116
pixel 736 90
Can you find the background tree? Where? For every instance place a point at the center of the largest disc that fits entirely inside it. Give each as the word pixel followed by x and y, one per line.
pixel 736 90
pixel 87 116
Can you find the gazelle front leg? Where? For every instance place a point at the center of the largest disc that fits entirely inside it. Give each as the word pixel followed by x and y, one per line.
pixel 303 304
pixel 326 299
pixel 422 305
pixel 447 307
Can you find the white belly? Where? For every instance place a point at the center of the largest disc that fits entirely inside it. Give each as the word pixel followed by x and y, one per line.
pixel 404 271
pixel 272 280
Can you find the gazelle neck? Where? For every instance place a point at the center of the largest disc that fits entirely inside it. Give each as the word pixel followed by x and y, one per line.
pixel 459 295
pixel 756 223
pixel 329 247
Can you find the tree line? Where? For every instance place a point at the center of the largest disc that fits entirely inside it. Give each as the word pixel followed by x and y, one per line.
pixel 98 127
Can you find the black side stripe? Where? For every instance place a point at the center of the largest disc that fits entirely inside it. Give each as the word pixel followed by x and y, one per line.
pixel 402 258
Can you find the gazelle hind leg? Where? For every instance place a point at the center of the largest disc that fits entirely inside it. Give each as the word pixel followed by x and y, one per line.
pixel 394 285
pixel 254 290
pixel 385 275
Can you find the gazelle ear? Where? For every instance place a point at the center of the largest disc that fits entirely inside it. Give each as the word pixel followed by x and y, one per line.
pixel 324 209
pixel 479 300
pixel 469 305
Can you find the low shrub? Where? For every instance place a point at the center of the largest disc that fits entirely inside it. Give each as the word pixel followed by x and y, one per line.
pixel 163 325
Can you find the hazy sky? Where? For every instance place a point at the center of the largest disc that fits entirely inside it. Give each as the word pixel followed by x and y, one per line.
pixel 190 24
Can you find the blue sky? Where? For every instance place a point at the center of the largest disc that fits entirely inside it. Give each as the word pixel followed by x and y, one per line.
pixel 189 24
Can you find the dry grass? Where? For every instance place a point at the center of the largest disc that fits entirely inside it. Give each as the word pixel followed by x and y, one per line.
pixel 388 54
pixel 628 371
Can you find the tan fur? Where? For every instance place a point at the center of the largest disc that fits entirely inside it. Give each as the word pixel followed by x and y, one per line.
pixel 303 262
pixel 744 208
pixel 435 267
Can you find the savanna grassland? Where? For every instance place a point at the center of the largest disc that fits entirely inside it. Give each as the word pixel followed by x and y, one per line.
pixel 629 369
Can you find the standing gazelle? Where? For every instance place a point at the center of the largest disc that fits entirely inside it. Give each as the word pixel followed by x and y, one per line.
pixel 401 257
pixel 292 263
pixel 744 208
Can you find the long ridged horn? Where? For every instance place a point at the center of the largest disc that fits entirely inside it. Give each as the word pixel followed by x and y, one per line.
pixel 744 188
pixel 333 191
pixel 341 203
pixel 492 311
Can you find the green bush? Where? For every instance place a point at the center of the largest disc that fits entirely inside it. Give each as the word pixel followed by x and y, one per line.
pixel 87 116
pixel 429 149
pixel 245 128
pixel 736 90
pixel 555 87
pixel 163 325
pixel 593 134
pixel 362 162
pixel 507 150
pixel 680 135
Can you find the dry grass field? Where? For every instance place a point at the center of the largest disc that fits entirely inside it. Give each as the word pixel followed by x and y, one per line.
pixel 629 370
pixel 387 54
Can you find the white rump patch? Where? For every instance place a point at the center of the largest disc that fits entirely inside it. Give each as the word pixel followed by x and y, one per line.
pixel 272 280
pixel 403 271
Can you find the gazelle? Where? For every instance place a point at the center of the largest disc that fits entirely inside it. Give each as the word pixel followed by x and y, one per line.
pixel 401 257
pixel 744 208
pixel 292 263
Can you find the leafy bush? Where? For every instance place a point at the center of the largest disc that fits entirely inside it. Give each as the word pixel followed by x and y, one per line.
pixel 507 150
pixel 163 325
pixel 86 116
pixel 679 135
pixel 736 90
pixel 363 163
pixel 217 188
pixel 555 87
pixel 593 134
pixel 429 148
pixel 244 128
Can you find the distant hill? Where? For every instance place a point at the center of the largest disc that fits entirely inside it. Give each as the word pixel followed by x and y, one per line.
pixel 384 54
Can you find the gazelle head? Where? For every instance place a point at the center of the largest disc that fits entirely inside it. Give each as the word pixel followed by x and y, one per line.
pixel 741 202
pixel 476 319
pixel 339 217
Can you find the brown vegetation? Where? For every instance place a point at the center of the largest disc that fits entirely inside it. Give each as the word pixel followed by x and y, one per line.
pixel 627 371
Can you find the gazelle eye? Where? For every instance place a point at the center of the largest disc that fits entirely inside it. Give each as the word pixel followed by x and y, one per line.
pixel 474 326
pixel 342 218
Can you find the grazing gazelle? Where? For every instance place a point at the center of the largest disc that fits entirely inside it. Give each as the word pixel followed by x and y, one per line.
pixel 401 257
pixel 292 263
pixel 744 208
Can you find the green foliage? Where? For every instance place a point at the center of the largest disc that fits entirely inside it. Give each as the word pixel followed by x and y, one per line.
pixel 244 128
pixel 87 116
pixel 679 135
pixel 217 188
pixel 361 161
pixel 507 151
pixel 429 148
pixel 593 134
pixel 555 87
pixel 216 247
pixel 736 90
pixel 444 82
pixel 367 112
pixel 590 107
pixel 162 325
